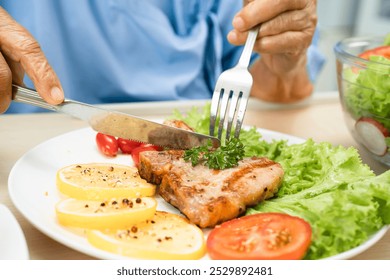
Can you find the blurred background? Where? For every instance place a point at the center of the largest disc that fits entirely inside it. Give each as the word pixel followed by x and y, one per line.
pixel 338 19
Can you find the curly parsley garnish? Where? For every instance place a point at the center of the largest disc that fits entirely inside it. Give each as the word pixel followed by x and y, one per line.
pixel 223 157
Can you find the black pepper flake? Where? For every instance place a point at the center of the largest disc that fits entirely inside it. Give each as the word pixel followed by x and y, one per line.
pixel 134 229
pixel 86 205
pixel 159 240
pixel 168 238
pixel 78 166
pixel 125 201
pixel 102 204
pixel 114 202
pixel 138 200
pixel 111 168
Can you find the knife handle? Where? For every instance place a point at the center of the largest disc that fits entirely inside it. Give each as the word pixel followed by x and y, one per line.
pixel 31 97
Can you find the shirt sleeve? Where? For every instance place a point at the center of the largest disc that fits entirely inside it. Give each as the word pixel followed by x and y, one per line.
pixel 315 58
pixel 225 11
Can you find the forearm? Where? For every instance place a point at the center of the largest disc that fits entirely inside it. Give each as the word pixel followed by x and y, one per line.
pixel 286 83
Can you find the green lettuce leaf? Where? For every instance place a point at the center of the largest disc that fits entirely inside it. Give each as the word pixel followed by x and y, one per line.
pixel 341 218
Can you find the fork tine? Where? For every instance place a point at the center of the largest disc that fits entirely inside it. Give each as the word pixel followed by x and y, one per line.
pixel 222 111
pixel 232 112
pixel 214 110
pixel 241 113
pixel 232 92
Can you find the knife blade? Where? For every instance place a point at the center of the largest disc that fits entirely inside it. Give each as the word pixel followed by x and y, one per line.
pixel 119 124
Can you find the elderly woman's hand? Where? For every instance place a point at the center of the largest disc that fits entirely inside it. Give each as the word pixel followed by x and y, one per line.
pixel 19 54
pixel 286 31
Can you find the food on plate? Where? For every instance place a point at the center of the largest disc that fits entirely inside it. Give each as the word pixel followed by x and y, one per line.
pixel 107 144
pixel 110 146
pixel 165 236
pixel 107 214
pixel 328 186
pixel 178 124
pixel 102 181
pixel 144 147
pixel 209 196
pixel 373 135
pixel 265 236
pixel 127 146
pixel 225 156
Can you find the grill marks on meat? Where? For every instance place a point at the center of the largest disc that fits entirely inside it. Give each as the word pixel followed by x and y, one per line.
pixel 207 196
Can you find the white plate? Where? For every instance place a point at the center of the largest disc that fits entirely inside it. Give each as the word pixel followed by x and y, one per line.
pixel 33 191
pixel 13 245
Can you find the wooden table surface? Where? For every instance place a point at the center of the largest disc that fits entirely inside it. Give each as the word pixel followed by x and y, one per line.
pixel 319 118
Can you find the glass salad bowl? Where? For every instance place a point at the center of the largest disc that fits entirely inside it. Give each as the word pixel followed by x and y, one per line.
pixel 363 76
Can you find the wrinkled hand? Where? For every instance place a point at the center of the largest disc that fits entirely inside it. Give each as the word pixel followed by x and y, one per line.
pixel 20 54
pixel 286 31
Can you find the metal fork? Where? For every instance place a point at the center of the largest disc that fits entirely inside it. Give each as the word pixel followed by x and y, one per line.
pixel 232 91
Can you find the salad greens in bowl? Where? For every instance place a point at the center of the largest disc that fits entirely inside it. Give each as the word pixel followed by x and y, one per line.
pixel 363 75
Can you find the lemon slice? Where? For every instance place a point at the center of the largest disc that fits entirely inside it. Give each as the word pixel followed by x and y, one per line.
pixel 100 181
pixel 112 214
pixel 166 236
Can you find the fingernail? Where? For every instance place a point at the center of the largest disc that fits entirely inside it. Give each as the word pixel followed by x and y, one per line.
pixel 232 36
pixel 56 94
pixel 238 22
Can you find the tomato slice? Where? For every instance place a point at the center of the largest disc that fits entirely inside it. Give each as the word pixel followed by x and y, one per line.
pixel 264 236
pixel 107 144
pixel 144 147
pixel 127 146
pixel 381 51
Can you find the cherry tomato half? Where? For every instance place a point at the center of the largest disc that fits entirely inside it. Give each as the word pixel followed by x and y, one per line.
pixel 144 147
pixel 107 144
pixel 381 51
pixel 264 236
pixel 127 146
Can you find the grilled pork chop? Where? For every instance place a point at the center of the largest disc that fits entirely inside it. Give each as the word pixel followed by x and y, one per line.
pixel 207 196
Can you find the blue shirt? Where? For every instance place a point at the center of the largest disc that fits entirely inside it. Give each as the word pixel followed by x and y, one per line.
pixel 131 50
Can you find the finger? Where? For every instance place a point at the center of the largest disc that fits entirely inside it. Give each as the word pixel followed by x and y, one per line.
pixel 16 70
pixel 297 20
pixel 18 45
pixel 288 21
pixel 5 85
pixel 290 42
pixel 259 11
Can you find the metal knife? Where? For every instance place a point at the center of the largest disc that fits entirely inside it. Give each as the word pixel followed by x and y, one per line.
pixel 119 124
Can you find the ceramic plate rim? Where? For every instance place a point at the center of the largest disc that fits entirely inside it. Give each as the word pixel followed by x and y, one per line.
pixel 13 231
